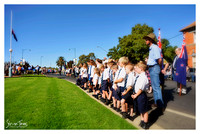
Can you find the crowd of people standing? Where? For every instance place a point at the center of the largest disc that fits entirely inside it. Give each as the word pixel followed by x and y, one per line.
pixel 124 84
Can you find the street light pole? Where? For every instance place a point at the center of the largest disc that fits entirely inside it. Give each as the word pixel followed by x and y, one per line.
pixel 102 49
pixel 74 52
pixel 23 52
pixel 10 50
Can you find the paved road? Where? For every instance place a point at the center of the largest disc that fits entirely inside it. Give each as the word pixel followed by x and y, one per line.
pixel 180 111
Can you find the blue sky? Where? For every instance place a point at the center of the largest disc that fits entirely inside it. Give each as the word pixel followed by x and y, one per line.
pixel 51 30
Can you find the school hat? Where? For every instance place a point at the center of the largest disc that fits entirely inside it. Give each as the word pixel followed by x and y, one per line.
pixel 151 37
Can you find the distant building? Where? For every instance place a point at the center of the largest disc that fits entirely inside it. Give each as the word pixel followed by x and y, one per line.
pixel 190 39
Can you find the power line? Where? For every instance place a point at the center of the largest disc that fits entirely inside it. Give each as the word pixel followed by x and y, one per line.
pixel 175 36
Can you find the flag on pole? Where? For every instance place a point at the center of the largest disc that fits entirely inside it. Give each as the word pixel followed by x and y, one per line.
pixel 159 39
pixel 14 35
pixel 181 64
pixel 160 46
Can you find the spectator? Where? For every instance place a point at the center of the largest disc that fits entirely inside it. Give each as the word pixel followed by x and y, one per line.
pixel 154 63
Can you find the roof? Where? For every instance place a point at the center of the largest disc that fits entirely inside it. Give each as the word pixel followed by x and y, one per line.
pixel 188 27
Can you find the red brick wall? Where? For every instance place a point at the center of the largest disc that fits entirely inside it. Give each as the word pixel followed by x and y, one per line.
pixel 189 38
pixel 190 46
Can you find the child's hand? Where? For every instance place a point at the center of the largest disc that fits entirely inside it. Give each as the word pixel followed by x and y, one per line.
pixel 115 86
pixel 124 93
pixel 133 96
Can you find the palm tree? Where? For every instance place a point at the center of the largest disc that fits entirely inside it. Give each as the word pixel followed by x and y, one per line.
pixel 60 62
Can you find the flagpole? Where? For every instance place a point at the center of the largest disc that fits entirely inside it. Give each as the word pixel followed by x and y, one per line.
pixel 10 69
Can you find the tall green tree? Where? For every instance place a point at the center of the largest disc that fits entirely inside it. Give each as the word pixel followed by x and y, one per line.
pixel 133 45
pixel 84 58
pixel 69 63
pixel 61 61
pixel 168 50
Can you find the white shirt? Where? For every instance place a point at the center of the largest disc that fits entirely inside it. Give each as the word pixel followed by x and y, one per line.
pixel 106 61
pixel 98 65
pixel 95 79
pixel 84 73
pixel 122 74
pixel 105 74
pixel 77 70
pixel 89 67
pixel 130 80
pixel 115 77
pixel 110 73
pixel 81 71
pixel 99 80
pixel 142 82
pixel 92 71
pixel 67 71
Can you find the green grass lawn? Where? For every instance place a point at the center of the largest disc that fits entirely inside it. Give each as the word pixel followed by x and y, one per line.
pixel 52 103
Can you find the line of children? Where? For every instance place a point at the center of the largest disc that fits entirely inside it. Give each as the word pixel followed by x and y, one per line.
pixel 121 84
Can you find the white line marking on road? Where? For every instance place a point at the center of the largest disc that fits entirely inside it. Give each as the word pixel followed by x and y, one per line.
pixel 180 113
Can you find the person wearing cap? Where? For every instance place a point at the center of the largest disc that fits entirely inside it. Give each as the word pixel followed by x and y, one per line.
pixel 155 63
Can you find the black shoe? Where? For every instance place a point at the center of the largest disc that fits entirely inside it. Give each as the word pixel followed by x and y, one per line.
pixel 130 118
pixel 114 108
pixel 111 106
pixel 103 100
pixel 107 102
pixel 90 90
pixel 160 111
pixel 145 126
pixel 118 110
pixel 124 115
pixel 94 95
pixel 141 123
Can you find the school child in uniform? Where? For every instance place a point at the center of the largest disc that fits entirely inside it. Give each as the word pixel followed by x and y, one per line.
pixel 126 95
pixel 140 96
pixel 99 90
pixel 92 67
pixel 119 82
pixel 115 72
pixel 110 64
pixel 76 70
pixel 79 80
pixel 89 72
pixel 70 72
pixel 95 81
pixel 98 62
pixel 104 83
pixel 66 72
pixel 84 76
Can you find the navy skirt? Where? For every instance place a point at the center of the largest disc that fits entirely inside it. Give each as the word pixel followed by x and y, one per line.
pixel 85 79
pixel 104 85
pixel 142 103
pixel 118 93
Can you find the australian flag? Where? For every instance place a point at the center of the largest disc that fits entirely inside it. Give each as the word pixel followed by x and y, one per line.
pixel 15 37
pixel 181 64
